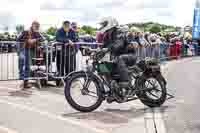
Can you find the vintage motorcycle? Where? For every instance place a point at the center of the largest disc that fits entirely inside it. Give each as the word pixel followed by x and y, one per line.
pixel 99 82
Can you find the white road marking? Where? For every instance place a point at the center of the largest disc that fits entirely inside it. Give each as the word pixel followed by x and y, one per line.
pixel 159 121
pixel 153 118
pixel 149 122
pixel 7 130
pixel 56 117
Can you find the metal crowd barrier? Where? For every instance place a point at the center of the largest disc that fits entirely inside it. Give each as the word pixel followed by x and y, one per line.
pixel 54 60
pixel 8 60
pixel 48 61
pixel 168 52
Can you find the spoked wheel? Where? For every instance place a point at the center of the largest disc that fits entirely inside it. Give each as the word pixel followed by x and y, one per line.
pixel 83 93
pixel 155 93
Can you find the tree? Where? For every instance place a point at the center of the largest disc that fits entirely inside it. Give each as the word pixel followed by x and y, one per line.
pixel 155 29
pixel 147 26
pixel 6 33
pixel 81 31
pixel 88 30
pixel 19 28
pixel 51 31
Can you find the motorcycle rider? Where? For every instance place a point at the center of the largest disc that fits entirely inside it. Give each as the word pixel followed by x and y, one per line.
pixel 116 39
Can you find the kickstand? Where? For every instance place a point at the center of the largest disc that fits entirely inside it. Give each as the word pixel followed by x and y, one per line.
pixel 170 96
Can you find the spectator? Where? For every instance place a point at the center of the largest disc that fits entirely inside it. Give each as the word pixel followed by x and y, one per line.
pixel 157 47
pixel 21 57
pixel 62 33
pixel 191 49
pixel 63 55
pixel 73 32
pixel 155 42
pixel 142 45
pixel 30 39
pixel 185 47
pixel 178 47
pixel 163 49
pixel 133 45
pixel 148 45
pixel 73 36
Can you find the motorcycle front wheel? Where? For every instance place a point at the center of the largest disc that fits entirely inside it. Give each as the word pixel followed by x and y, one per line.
pixel 154 92
pixel 83 93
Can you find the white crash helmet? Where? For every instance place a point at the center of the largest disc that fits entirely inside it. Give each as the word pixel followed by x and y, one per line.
pixel 107 23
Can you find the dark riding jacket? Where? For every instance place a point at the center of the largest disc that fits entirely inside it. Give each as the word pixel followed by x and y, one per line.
pixel 117 40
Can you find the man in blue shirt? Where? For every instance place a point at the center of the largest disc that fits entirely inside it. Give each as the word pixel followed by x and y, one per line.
pixel 62 33
pixel 65 50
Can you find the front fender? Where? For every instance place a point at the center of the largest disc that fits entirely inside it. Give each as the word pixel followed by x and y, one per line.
pixel 88 74
pixel 73 74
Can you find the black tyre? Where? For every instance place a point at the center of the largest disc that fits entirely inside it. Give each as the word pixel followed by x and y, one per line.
pixel 148 97
pixel 73 83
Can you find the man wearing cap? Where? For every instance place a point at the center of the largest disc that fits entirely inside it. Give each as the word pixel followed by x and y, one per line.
pixel 73 32
pixel 74 37
pixel 30 39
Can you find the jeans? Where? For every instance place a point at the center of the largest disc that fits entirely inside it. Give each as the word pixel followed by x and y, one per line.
pixel 29 55
pixel 21 62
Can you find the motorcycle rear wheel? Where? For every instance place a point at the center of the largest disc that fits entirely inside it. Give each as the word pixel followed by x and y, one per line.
pixel 145 97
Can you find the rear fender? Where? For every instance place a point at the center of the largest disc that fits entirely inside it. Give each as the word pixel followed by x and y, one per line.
pixel 157 74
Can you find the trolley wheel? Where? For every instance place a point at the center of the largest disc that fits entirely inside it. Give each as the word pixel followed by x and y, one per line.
pixel 59 83
pixel 43 82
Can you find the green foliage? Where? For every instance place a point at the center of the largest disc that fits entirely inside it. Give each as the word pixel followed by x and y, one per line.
pixel 48 37
pixel 152 26
pixel 19 28
pixel 6 33
pixel 51 31
pixel 155 29
pixel 148 26
pixel 88 30
pixel 81 31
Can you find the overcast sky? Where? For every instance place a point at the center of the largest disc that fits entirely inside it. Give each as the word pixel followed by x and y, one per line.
pixel 53 12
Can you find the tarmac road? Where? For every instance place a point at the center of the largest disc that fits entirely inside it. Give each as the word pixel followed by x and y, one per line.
pixel 182 114
pixel 46 110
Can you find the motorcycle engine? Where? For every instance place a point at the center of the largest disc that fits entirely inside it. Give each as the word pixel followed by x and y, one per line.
pixel 123 93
